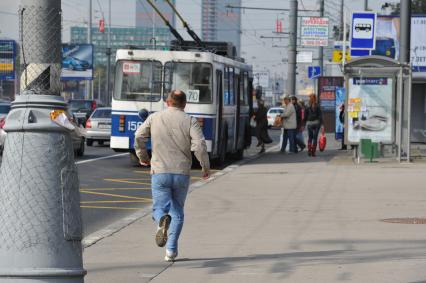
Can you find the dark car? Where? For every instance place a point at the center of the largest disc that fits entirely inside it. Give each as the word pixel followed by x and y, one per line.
pixel 75 64
pixel 82 109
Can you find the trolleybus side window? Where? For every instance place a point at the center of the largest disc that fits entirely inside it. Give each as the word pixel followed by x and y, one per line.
pixel 229 93
pixel 138 81
pixel 243 89
pixel 195 79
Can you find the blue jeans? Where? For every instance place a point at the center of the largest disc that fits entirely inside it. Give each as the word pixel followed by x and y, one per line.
pixel 313 132
pixel 169 194
pixel 289 134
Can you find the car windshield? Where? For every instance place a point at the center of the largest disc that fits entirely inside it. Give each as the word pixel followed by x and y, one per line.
pixel 4 109
pixel 138 81
pixel 195 79
pixel 102 114
pixel 77 105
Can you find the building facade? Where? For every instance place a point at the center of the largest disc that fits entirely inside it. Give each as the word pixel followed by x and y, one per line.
pixel 120 37
pixel 220 23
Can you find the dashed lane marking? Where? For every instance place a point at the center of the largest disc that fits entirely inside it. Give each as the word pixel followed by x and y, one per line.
pixel 113 195
pixel 126 182
pixel 114 201
pixel 110 207
pixel 116 189
pixel 101 158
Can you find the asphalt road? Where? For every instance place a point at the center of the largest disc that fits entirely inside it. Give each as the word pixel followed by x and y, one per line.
pixel 111 188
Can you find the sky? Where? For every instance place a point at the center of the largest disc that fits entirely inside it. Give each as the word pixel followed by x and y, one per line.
pixel 257 51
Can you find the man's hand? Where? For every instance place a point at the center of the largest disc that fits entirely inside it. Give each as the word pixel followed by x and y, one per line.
pixel 206 175
pixel 145 163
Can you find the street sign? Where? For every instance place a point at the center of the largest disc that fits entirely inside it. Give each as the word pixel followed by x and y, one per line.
pixel 314 72
pixel 363 35
pixel 314 31
pixel 304 57
pixel 360 52
pixel 7 59
pixel 418 44
pixel 338 52
pixel 261 79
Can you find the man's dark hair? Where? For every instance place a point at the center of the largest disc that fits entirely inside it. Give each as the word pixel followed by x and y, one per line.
pixel 177 98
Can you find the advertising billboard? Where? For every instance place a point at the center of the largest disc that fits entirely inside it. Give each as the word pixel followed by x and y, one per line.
pixel 314 31
pixel 327 92
pixel 340 104
pixel 7 59
pixel 77 62
pixel 370 109
pixel 418 44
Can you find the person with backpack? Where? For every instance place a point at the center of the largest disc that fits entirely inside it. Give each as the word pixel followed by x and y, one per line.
pixel 299 140
pixel 313 121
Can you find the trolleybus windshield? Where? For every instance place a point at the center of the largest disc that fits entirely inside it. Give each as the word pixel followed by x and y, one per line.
pixel 195 79
pixel 138 81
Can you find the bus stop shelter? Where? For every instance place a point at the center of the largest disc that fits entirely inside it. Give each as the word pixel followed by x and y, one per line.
pixel 378 105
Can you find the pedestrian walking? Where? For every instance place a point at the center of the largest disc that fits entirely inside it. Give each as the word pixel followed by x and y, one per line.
pixel 313 118
pixel 342 120
pixel 289 125
pixel 299 140
pixel 261 118
pixel 174 134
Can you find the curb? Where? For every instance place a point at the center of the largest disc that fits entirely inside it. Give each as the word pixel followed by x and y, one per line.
pixel 115 227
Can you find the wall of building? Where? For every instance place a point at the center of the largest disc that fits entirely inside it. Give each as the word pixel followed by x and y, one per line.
pixel 220 23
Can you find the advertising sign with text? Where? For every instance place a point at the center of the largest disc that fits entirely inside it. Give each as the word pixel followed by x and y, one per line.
pixel 314 31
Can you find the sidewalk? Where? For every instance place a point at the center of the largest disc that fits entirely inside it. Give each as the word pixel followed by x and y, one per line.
pixel 283 219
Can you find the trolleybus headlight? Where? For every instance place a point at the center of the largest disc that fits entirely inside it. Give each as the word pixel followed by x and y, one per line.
pixel 122 123
pixel 200 122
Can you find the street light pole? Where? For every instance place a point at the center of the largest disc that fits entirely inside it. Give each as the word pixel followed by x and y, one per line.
pixel 321 49
pixel 40 217
pixel 108 53
pixel 89 85
pixel 292 48
pixel 366 5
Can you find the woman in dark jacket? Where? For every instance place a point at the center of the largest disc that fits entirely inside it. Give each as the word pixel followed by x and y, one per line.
pixel 313 120
pixel 260 116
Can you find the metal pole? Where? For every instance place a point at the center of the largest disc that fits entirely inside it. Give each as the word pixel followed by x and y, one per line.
pixel 321 49
pixel 89 85
pixel 292 48
pixel 366 5
pixel 108 53
pixel 344 39
pixel 40 217
pixel 342 19
pixel 405 31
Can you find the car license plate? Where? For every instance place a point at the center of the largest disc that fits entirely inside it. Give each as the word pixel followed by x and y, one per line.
pixel 104 126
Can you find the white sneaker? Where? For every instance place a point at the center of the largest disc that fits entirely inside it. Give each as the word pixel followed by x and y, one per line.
pixel 170 256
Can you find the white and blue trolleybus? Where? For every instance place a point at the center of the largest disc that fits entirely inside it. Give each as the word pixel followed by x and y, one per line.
pixel 218 89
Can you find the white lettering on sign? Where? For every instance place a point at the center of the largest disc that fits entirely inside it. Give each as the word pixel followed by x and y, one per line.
pixel 131 68
pixel 193 95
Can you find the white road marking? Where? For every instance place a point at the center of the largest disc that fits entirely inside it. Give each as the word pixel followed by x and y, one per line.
pixel 101 158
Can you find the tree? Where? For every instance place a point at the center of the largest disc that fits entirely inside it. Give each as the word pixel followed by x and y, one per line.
pixel 417 7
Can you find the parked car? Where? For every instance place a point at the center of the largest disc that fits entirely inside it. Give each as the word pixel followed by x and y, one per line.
pixel 272 114
pixel 4 110
pixel 75 64
pixel 82 109
pixel 98 126
pixel 77 135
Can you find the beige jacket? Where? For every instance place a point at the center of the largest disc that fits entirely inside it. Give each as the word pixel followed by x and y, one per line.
pixel 289 117
pixel 174 134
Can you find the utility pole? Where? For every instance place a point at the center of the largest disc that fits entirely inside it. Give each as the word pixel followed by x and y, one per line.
pixel 342 21
pixel 321 49
pixel 108 53
pixel 366 5
pixel 40 217
pixel 405 31
pixel 292 48
pixel 89 85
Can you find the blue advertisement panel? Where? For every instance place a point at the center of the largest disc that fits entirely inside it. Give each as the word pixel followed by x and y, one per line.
pixel 77 62
pixel 340 104
pixel 7 59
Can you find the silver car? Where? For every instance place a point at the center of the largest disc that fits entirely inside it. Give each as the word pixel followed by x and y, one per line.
pixel 4 110
pixel 98 126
